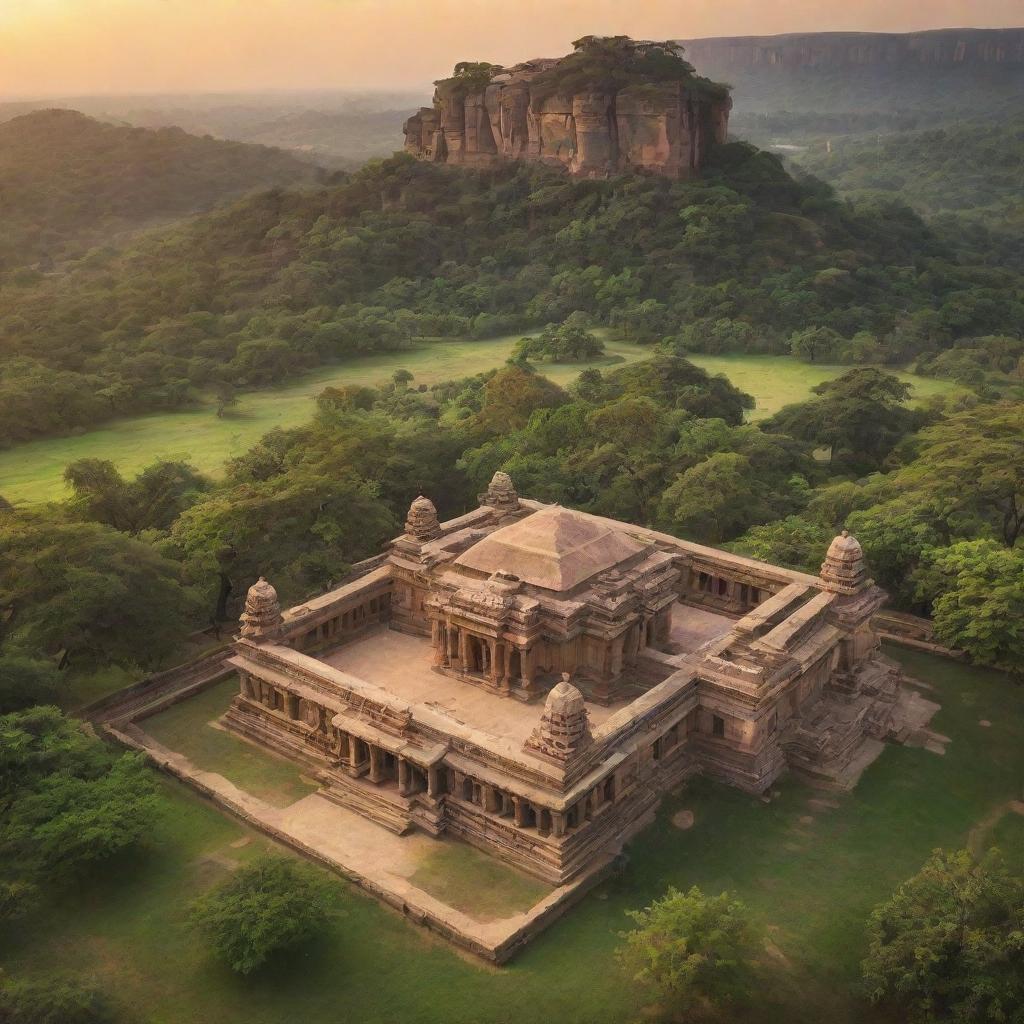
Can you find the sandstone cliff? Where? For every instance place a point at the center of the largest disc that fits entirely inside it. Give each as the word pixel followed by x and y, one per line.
pixel 548 111
pixel 938 47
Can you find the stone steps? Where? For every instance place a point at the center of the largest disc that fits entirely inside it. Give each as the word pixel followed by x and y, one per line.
pixel 387 809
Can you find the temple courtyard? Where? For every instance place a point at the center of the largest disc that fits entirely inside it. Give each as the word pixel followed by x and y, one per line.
pixel 809 864
pixel 401 664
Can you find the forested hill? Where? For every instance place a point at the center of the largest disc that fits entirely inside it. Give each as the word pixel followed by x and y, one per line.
pixel 68 182
pixel 282 281
pixel 965 178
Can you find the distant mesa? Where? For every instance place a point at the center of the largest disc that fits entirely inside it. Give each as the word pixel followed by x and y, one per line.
pixel 936 48
pixel 613 105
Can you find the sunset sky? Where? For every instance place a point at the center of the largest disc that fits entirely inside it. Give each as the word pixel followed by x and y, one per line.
pixel 61 47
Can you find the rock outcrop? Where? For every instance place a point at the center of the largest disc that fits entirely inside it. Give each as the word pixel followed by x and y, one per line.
pixel 528 112
pixel 938 47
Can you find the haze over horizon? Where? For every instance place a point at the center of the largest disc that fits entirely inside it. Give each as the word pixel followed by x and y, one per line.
pixel 89 47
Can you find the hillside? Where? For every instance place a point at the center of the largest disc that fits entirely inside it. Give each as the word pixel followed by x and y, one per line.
pixel 936 76
pixel 281 282
pixel 963 177
pixel 68 182
pixel 333 128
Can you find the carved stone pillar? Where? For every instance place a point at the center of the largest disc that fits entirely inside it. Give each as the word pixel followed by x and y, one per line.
pixel 376 764
pixel 492 655
pixel 558 824
pixel 404 777
pixel 616 660
pixel 434 783
pixel 437 639
pixel 519 811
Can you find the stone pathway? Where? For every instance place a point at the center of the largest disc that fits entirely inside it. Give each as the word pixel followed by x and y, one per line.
pixel 374 858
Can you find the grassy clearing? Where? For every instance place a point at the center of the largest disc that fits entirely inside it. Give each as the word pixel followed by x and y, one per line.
pixel 775 381
pixel 189 728
pixel 475 883
pixel 811 882
pixel 34 471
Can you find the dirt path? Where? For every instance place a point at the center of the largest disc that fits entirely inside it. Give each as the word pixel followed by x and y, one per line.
pixel 976 837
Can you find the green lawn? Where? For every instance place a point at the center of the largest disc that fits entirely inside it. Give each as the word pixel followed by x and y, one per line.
pixel 34 471
pixel 188 728
pixel 775 381
pixel 811 882
pixel 476 883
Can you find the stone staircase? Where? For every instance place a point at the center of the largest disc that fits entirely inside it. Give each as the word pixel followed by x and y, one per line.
pixel 378 803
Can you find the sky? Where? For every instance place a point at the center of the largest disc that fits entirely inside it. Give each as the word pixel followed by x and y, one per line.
pixel 79 47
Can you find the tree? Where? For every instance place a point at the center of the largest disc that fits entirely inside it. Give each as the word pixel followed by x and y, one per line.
pixel 860 415
pixel 268 905
pixel 512 394
pixel 691 948
pixel 978 605
pixel 67 802
pixel 568 342
pixel 973 462
pixel 153 500
pixel 89 591
pixel 815 343
pixel 949 944
pixel 715 500
pixel 302 529
pixel 794 542
pixel 53 1001
pixel 25 682
pixel 227 398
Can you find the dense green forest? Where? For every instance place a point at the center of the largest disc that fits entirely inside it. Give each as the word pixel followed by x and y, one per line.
pixel 68 182
pixel 967 179
pixel 743 259
pixel 125 569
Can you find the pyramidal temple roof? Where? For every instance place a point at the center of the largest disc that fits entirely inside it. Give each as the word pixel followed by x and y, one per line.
pixel 554 548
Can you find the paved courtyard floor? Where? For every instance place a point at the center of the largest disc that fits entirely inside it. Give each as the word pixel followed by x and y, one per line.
pixel 401 664
pixel 694 627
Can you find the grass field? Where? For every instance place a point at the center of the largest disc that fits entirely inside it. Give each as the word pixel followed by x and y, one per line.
pixel 34 471
pixel 186 728
pixel 809 871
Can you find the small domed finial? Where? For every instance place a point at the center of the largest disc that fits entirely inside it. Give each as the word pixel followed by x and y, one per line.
pixel 421 523
pixel 843 570
pixel 261 617
pixel 501 493
pixel 564 728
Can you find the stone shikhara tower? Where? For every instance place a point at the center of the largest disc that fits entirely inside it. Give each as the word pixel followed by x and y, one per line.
pixel 564 729
pixel 531 679
pixel 262 617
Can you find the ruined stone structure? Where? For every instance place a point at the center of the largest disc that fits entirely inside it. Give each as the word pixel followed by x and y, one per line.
pixel 532 679
pixel 658 127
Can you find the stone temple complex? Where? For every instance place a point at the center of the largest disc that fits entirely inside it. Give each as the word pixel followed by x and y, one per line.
pixel 532 679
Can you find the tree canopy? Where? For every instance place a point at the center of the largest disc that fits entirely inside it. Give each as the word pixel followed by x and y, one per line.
pixel 266 906
pixel 949 944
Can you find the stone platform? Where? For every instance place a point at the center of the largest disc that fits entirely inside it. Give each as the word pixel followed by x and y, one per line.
pixel 377 860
